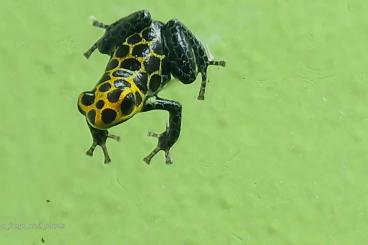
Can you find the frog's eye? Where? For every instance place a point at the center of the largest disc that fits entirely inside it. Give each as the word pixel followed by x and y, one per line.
pixel 127 105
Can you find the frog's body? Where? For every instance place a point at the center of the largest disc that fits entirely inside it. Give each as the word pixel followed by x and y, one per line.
pixel 137 67
pixel 144 53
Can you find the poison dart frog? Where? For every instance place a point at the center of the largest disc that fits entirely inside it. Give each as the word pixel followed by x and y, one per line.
pixel 144 54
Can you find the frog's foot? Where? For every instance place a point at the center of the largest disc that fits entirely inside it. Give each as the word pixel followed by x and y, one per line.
pixel 98 23
pixel 202 90
pixel 217 63
pixel 104 148
pixel 161 145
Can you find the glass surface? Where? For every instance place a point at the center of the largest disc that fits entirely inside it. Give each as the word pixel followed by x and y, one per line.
pixel 275 154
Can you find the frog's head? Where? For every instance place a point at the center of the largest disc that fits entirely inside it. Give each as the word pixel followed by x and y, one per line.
pixel 107 105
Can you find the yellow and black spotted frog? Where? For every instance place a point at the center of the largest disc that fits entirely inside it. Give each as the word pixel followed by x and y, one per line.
pixel 144 53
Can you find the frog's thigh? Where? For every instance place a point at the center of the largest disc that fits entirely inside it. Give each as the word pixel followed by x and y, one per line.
pixel 177 46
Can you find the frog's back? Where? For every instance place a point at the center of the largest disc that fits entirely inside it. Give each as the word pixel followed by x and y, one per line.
pixel 142 56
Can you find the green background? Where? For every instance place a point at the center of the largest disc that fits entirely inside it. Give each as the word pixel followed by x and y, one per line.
pixel 276 154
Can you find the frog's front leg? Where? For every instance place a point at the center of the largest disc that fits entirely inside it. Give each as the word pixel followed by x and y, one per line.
pixel 168 138
pixel 99 138
pixel 118 31
pixel 186 55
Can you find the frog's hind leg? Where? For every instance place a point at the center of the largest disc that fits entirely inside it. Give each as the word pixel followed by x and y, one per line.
pixel 99 138
pixel 119 31
pixel 186 55
pixel 168 138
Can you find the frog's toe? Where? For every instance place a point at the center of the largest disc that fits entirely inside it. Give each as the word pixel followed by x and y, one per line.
pixel 114 137
pixel 153 134
pixel 106 154
pixel 217 63
pixel 98 23
pixel 148 158
pixel 104 149
pixel 91 149
pixel 161 138
pixel 168 157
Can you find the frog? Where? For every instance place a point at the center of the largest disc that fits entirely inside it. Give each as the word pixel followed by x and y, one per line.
pixel 144 56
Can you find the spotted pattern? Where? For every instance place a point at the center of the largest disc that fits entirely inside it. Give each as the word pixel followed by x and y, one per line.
pixel 127 104
pixel 141 50
pixel 131 64
pixel 133 72
pixel 104 87
pixel 108 115
pixel 139 67
pixel 122 51
pixel 155 82
pixel 152 64
pixel 100 104
pixel 87 99
pixel 114 95
pixel 121 83
pixel 122 73
pixel 138 98
pixel 141 82
pixel 91 115
pixel 135 38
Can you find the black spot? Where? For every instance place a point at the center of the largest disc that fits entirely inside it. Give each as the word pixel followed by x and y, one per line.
pixel 121 83
pixel 91 115
pixel 105 77
pixel 138 98
pixel 141 81
pixel 152 64
pixel 141 50
pixel 142 77
pixel 104 87
pixel 131 64
pixel 157 48
pixel 112 64
pixel 100 104
pixel 122 73
pixel 134 39
pixel 122 51
pixel 114 95
pixel 127 104
pixel 148 34
pixel 108 115
pixel 88 98
pixel 155 82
